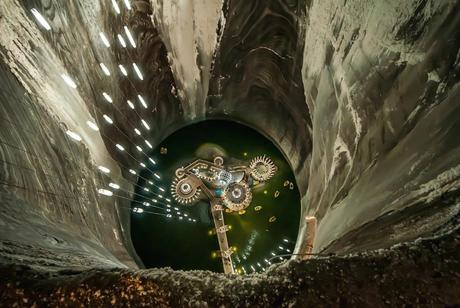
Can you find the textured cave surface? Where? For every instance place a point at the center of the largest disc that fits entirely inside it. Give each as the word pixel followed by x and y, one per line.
pixel 361 96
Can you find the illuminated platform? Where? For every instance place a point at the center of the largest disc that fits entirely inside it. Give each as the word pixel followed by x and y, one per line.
pixel 221 185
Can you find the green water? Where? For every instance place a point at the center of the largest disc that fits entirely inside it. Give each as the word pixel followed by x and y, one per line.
pixel 169 242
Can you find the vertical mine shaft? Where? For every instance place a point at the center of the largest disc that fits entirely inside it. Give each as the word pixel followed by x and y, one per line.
pixel 360 96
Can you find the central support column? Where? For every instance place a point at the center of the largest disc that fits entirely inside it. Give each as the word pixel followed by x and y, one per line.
pixel 221 232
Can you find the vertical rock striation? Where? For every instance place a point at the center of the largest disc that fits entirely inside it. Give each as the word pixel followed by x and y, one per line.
pixel 256 77
pixel 381 82
pixel 190 31
pixel 51 213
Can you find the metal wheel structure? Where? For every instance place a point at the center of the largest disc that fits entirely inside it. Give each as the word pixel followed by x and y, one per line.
pixel 262 168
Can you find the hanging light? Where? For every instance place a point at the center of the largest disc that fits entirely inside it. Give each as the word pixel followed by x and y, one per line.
pixel 141 99
pixel 123 70
pixel 145 124
pixel 121 40
pixel 104 39
pixel 137 131
pixel 127 4
pixel 41 19
pixel 132 171
pixel 130 37
pixel 104 169
pixel 157 176
pixel 139 148
pixel 92 125
pixel 69 81
pixel 105 192
pixel 130 104
pixel 107 118
pixel 107 97
pixel 142 165
pixel 114 186
pixel 148 144
pixel 116 7
pixel 138 72
pixel 104 69
pixel 120 147
pixel 152 161
pixel 73 135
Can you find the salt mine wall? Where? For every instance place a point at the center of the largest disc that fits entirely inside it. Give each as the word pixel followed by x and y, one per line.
pixel 256 78
pixel 52 214
pixel 381 82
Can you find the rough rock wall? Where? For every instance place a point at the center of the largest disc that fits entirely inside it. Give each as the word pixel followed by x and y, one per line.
pixel 37 58
pixel 256 77
pixel 165 112
pixel 51 212
pixel 51 215
pixel 382 85
pixel 190 32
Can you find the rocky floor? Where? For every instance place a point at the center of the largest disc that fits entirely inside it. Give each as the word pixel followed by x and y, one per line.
pixel 425 273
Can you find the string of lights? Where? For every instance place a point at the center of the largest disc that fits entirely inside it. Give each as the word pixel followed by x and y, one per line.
pixel 268 261
pixel 119 147
pixel 111 184
pixel 168 206
pixel 109 99
pixel 110 121
pixel 179 214
pixel 135 67
pixel 95 126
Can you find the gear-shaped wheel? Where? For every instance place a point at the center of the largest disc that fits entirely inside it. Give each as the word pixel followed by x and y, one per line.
pixel 237 196
pixel 185 191
pixel 262 168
